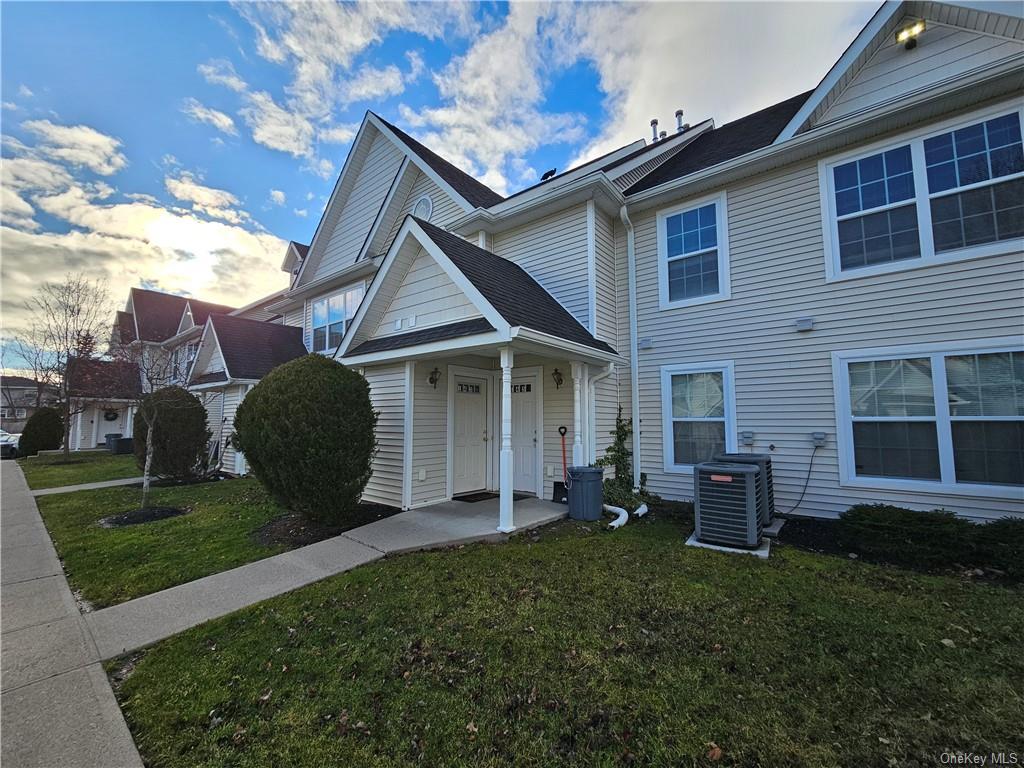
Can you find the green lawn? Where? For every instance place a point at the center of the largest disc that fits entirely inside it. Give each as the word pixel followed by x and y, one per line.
pixel 591 648
pixel 53 472
pixel 110 565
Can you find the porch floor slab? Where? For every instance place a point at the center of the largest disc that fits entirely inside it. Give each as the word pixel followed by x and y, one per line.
pixel 451 523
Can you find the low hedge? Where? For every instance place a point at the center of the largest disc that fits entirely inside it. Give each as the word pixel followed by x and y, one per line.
pixel 934 539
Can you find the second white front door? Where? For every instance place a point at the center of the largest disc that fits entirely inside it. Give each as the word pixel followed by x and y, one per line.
pixel 469 452
pixel 524 434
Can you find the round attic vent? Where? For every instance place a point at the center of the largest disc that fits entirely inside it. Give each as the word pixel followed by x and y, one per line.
pixel 423 208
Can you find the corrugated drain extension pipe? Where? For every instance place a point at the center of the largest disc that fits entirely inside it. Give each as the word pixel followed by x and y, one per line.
pixel 634 374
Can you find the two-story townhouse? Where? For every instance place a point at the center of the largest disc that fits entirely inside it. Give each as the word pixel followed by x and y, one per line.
pixel 834 280
pixel 20 398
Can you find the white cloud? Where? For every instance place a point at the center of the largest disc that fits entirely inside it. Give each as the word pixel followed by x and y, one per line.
pixel 222 72
pixel 277 197
pixel 338 134
pixel 25 92
pixel 203 114
pixel 78 145
pixel 276 127
pixel 370 83
pixel 301 212
pixel 10 105
pixel 187 188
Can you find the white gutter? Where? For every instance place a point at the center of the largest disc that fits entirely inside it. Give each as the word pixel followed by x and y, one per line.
pixel 634 374
pixel 592 402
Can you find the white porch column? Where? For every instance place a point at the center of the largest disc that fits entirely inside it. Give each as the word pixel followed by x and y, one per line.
pixel 505 524
pixel 577 415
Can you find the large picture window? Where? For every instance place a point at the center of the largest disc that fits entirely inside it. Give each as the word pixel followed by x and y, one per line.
pixel 331 316
pixel 693 254
pixel 698 414
pixel 952 194
pixel 951 419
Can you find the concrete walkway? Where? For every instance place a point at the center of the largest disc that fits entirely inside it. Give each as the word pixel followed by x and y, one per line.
pixel 57 706
pixel 87 486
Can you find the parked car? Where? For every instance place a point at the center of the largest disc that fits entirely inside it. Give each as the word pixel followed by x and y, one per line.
pixel 8 445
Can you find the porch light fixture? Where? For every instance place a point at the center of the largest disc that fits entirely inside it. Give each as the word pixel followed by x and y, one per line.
pixel 557 376
pixel 907 36
pixel 435 376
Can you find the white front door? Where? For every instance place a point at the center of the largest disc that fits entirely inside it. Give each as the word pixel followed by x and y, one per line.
pixel 524 434
pixel 469 449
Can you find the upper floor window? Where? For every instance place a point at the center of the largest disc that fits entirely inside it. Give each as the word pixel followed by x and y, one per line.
pixel 331 316
pixel 424 208
pixel 693 262
pixel 925 418
pixel 954 194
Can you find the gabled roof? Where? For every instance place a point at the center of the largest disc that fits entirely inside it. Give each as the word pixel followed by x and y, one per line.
pixel 157 314
pixel 114 379
pixel 720 144
pixel 476 193
pixel 124 325
pixel 424 336
pixel 203 309
pixel 516 296
pixel 17 382
pixel 300 248
pixel 253 348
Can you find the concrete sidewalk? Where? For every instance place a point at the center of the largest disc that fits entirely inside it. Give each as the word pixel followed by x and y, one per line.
pixel 87 486
pixel 57 706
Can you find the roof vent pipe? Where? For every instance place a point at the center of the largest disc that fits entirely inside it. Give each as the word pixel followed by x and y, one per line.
pixel 654 129
pixel 679 121
pixel 663 134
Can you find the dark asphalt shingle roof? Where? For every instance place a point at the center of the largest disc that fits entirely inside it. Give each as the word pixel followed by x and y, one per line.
pixel 424 336
pixel 731 140
pixel 478 195
pixel 517 297
pixel 157 314
pixel 210 378
pixel 115 379
pixel 301 248
pixel 17 382
pixel 125 327
pixel 203 309
pixel 253 348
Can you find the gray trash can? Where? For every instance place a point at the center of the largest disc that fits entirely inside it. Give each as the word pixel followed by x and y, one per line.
pixel 112 438
pixel 585 492
pixel 123 445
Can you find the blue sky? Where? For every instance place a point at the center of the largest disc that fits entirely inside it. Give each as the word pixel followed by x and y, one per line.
pixel 182 144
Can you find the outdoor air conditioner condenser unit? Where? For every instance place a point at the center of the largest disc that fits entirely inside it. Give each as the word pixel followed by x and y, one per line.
pixel 764 462
pixel 727 500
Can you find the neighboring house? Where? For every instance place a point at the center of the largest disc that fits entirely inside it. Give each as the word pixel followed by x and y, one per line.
pixel 20 397
pixel 234 354
pixel 835 280
pixel 103 396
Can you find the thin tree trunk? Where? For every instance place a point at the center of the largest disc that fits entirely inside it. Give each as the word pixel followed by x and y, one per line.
pixel 67 429
pixel 149 465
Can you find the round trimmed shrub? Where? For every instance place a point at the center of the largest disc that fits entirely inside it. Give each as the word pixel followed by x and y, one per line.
pixel 44 431
pixel 308 432
pixel 180 434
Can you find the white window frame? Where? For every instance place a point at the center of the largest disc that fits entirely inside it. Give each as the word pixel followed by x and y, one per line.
pixel 348 320
pixel 20 413
pixel 727 369
pixel 922 198
pixel 722 235
pixel 5 413
pixel 430 206
pixel 936 353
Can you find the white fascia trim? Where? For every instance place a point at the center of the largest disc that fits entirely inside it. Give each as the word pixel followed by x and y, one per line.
pixel 135 319
pixel 253 304
pixel 722 236
pixel 411 229
pixel 728 372
pixel 207 328
pixel 856 48
pixel 674 145
pixel 580 351
pixel 360 135
pixel 592 266
pixel 423 166
pixel 379 219
pixel 176 340
pixel 337 279
pixel 461 345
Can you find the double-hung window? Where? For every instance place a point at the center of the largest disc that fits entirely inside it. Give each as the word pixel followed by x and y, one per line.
pixel 693 254
pixel 950 194
pixel 949 420
pixel 698 413
pixel 331 316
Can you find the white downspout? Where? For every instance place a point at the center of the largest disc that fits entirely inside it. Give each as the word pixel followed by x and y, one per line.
pixel 592 401
pixel 634 374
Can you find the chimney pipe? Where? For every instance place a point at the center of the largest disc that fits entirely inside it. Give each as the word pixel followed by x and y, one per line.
pixel 679 120
pixel 662 135
pixel 654 129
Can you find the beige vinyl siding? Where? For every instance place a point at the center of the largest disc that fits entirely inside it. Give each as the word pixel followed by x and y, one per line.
pixel 220 427
pixel 430 433
pixel 606 309
pixel 387 392
pixel 622 341
pixel 444 212
pixel 361 207
pixel 558 412
pixel 427 294
pixel 233 396
pixel 942 52
pixel 553 250
pixel 783 378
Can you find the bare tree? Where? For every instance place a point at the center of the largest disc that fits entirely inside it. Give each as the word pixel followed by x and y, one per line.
pixel 66 319
pixel 31 350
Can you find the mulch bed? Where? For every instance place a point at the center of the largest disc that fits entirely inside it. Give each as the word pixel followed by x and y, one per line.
pixel 293 530
pixel 137 516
